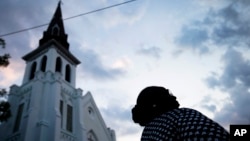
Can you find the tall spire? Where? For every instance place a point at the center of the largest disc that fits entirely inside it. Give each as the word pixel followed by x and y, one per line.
pixel 56 29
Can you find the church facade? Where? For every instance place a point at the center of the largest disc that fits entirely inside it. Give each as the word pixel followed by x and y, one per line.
pixel 47 106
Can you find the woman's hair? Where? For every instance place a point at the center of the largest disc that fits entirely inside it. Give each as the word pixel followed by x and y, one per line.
pixel 152 102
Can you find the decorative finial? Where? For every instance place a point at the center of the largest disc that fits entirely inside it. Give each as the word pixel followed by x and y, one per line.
pixel 60 2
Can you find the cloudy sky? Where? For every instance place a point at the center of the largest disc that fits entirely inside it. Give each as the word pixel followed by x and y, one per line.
pixel 199 49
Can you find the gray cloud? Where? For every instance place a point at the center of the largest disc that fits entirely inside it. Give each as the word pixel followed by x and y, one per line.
pixel 207 103
pixel 236 70
pixel 193 37
pixel 210 107
pixel 224 27
pixel 235 81
pixel 228 27
pixel 18 15
pixel 93 67
pixel 233 28
pixel 152 51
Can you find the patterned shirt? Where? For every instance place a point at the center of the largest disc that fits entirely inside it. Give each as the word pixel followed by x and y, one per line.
pixel 184 124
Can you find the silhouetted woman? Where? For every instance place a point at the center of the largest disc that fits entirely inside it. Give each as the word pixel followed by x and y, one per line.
pixel 158 110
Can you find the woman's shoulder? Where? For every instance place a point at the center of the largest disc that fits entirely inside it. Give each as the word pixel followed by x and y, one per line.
pixel 185 110
pixel 182 111
pixel 179 113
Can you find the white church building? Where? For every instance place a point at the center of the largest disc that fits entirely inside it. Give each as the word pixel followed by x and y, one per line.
pixel 47 106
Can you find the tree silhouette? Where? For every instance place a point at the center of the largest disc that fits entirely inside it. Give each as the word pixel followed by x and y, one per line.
pixel 2 42
pixel 5 112
pixel 4 59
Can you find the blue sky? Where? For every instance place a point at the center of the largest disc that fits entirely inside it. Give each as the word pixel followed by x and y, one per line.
pixel 198 49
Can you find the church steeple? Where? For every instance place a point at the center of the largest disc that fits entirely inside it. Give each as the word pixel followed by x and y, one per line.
pixel 53 54
pixel 56 30
pixel 47 106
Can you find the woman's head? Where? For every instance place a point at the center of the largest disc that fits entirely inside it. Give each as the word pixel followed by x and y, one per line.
pixel 152 102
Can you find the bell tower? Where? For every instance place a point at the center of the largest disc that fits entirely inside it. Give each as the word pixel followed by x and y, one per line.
pixel 47 106
pixel 53 53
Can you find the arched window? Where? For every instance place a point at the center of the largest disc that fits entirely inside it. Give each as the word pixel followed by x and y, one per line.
pixel 58 64
pixel 55 30
pixel 33 70
pixel 67 73
pixel 91 136
pixel 43 63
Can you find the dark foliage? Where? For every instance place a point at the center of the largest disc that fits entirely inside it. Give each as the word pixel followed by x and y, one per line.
pixel 2 42
pixel 5 112
pixel 3 92
pixel 4 60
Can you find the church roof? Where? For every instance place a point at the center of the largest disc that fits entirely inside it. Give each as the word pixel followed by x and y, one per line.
pixel 55 34
pixel 56 29
pixel 46 46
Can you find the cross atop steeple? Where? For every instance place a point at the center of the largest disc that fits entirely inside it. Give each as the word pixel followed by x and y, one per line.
pixel 56 29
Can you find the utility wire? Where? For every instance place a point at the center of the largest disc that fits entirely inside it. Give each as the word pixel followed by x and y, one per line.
pixel 90 12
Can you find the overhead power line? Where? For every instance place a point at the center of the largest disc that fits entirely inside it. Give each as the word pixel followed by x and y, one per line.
pixel 90 12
